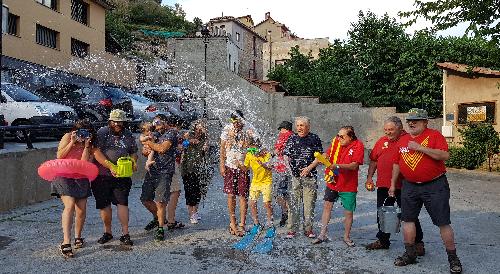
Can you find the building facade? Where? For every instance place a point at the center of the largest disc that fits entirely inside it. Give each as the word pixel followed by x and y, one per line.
pixel 280 40
pixel 66 36
pixel 470 94
pixel 244 45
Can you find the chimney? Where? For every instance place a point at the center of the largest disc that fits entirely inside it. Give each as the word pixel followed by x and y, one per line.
pixel 268 14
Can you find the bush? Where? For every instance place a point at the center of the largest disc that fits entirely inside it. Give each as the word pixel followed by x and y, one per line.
pixel 480 142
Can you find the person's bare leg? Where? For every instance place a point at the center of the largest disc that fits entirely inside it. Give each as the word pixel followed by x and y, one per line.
pixel 123 217
pixel 254 212
pixel 325 219
pixel 67 217
pixel 243 210
pixel 160 213
pixel 269 210
pixel 80 215
pixel 106 217
pixel 448 237
pixel 348 218
pixel 151 207
pixel 409 232
pixel 231 206
pixel 172 205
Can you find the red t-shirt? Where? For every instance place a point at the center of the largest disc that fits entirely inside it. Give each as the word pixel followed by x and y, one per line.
pixel 383 153
pixel 416 166
pixel 347 181
pixel 280 146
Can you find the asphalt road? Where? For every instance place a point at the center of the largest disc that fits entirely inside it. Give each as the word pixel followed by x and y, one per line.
pixel 29 239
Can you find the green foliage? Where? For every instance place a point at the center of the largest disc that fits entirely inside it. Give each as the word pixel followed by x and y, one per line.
pixel 482 15
pixel 480 142
pixel 380 65
pixel 129 16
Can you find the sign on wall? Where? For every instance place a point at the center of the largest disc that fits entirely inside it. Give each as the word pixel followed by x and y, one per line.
pixel 476 112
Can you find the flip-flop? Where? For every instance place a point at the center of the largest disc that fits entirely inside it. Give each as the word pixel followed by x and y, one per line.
pixel 319 241
pixel 349 243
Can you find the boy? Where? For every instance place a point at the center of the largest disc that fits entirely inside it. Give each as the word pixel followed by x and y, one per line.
pixel 259 161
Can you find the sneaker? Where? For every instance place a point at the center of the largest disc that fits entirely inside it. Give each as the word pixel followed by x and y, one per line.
pixel 455 264
pixel 284 218
pixel 125 240
pixel 160 234
pixel 153 224
pixel 310 234
pixel 106 237
pixel 290 235
pixel 376 245
pixel 194 218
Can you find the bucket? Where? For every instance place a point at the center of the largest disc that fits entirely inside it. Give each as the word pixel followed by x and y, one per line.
pixel 388 218
pixel 124 167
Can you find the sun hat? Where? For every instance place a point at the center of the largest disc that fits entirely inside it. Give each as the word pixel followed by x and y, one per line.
pixel 118 115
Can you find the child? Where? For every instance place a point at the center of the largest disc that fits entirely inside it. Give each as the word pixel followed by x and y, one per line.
pixel 147 135
pixel 258 159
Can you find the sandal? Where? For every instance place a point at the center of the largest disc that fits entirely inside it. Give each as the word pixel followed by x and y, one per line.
pixel 66 251
pixel 319 240
pixel 79 243
pixel 233 229
pixel 405 259
pixel 241 231
pixel 175 225
pixel 349 243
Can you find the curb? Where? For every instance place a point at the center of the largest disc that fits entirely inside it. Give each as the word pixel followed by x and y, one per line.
pixel 473 172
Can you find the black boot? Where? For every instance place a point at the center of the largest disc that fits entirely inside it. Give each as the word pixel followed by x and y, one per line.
pixel 284 218
pixel 409 257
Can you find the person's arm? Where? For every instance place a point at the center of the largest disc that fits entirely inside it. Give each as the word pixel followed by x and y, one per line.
pixel 436 154
pixel 161 147
pixel 65 145
pixel 222 157
pixel 87 150
pixel 394 179
pixel 134 161
pixel 101 158
pixel 350 166
pixel 372 167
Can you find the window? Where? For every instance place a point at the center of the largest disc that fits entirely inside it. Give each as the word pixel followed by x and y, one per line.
pixel 237 37
pixel 13 24
pixel 79 11
pixel 51 4
pixel 254 46
pixel 46 37
pixel 79 48
pixel 229 61
pixel 234 66
pixel 476 112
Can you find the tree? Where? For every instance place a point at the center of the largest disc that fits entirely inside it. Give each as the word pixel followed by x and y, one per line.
pixel 482 15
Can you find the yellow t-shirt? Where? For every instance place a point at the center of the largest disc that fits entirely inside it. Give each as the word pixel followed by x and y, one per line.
pixel 260 175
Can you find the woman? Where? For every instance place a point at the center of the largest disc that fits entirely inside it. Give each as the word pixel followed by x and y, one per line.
pixel 346 154
pixel 193 164
pixel 76 144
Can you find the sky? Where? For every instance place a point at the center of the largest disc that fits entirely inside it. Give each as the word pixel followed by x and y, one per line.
pixel 307 19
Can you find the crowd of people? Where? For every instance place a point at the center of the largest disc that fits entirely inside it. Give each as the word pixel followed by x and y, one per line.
pixel 409 166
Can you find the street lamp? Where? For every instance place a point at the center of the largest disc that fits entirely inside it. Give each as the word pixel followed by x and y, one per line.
pixel 205 33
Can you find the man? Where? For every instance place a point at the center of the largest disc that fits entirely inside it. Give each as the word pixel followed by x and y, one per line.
pixel 156 187
pixel 381 157
pixel 284 178
pixel 113 141
pixel 299 150
pixel 420 160
pixel 174 123
pixel 233 147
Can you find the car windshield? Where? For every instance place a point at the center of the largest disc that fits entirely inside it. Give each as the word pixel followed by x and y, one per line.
pixel 114 93
pixel 19 94
pixel 139 98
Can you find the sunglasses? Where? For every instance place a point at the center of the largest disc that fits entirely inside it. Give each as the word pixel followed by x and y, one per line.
pixel 253 150
pixel 341 136
pixel 156 123
pixel 233 120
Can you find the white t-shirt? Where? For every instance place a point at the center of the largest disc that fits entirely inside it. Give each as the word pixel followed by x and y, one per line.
pixel 235 147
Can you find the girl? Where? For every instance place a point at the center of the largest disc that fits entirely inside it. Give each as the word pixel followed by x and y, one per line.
pixel 147 135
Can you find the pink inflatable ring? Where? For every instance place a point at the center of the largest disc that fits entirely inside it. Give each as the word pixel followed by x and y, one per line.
pixel 67 168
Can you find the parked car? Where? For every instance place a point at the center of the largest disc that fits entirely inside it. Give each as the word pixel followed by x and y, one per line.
pixel 93 102
pixel 21 107
pixel 179 100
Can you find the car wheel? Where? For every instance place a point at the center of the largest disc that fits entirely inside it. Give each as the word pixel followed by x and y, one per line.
pixel 19 135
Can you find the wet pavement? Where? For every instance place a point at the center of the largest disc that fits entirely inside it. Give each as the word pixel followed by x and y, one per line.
pixel 29 239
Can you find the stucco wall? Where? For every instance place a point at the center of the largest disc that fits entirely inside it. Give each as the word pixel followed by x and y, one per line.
pixel 278 51
pixel 99 65
pixel 459 88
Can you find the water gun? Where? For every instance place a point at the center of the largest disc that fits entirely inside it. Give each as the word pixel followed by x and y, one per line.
pixel 324 161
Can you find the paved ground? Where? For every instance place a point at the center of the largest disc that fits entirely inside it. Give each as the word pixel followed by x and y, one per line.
pixel 29 237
